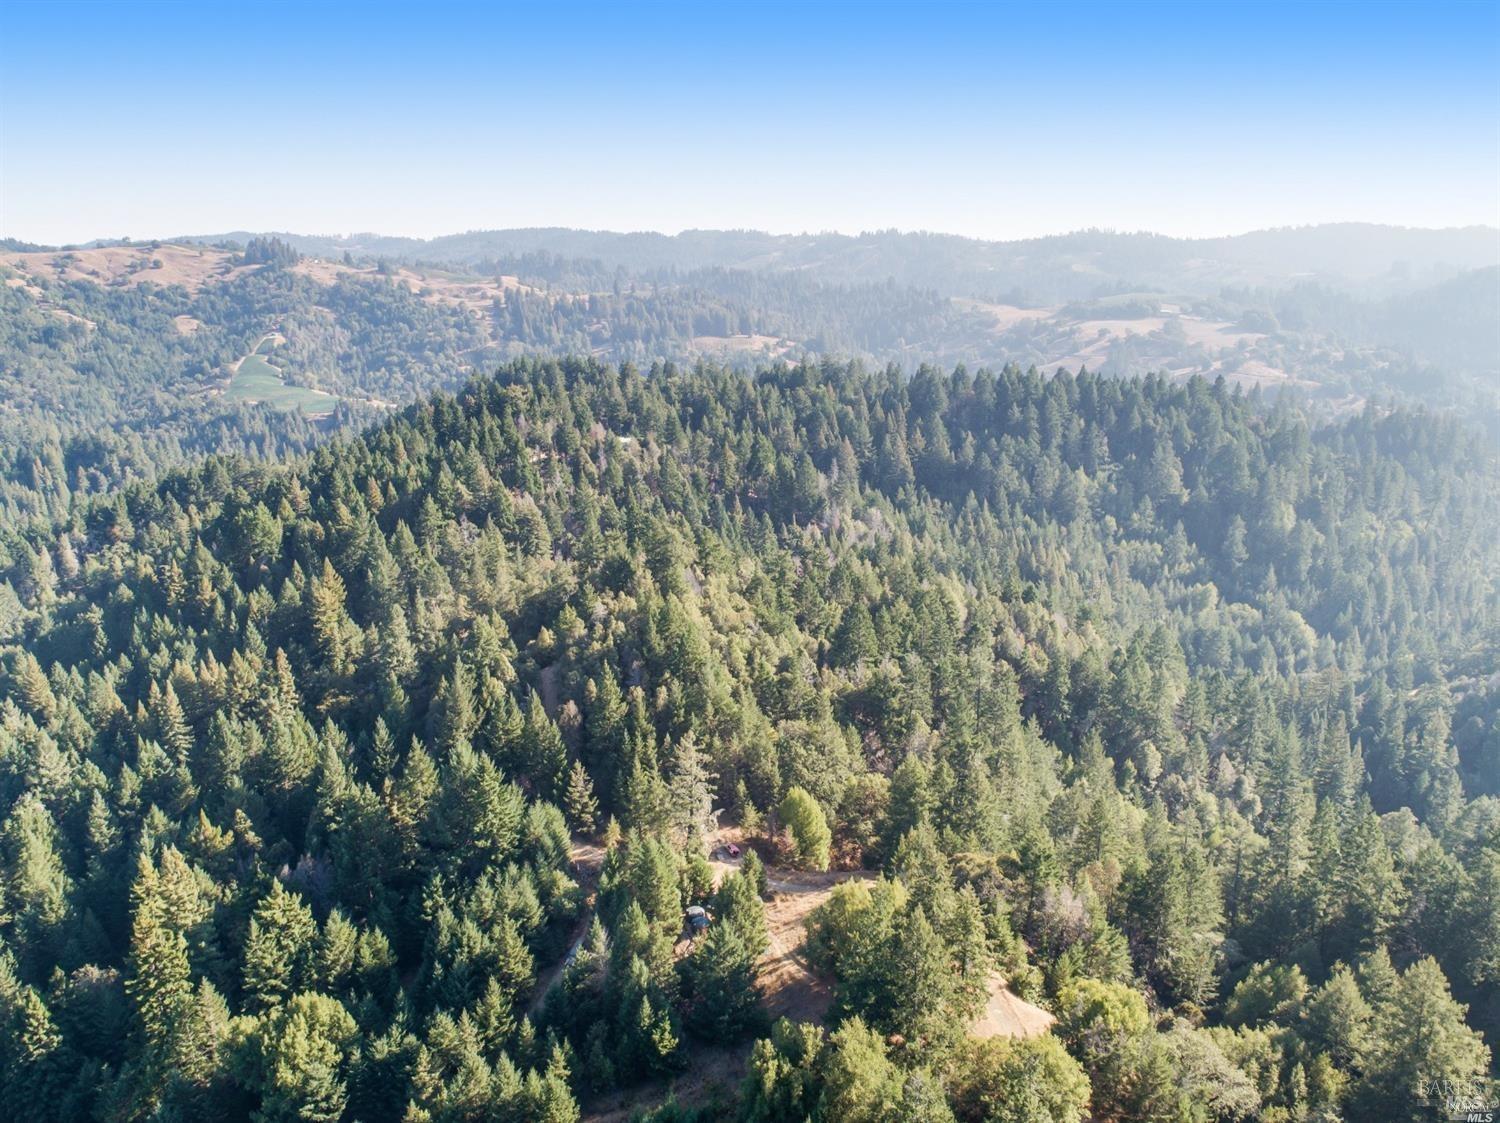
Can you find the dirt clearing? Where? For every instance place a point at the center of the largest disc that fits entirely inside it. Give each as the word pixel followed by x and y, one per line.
pixel 1006 1014
pixel 789 987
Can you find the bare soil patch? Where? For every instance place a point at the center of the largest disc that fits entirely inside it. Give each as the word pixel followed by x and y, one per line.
pixel 1119 329
pixel 193 267
pixel 789 987
pixel 44 302
pixel 1254 372
pixel 25 286
pixel 1006 1014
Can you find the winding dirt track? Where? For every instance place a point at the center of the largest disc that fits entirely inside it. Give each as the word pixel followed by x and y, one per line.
pixel 588 860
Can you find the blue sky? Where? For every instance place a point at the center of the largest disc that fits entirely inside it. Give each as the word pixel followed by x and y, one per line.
pixel 152 119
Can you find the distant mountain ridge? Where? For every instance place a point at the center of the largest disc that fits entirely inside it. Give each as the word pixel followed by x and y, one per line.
pixel 1341 312
pixel 1376 259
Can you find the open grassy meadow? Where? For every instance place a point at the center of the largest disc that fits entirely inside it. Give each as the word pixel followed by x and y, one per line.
pixel 258 381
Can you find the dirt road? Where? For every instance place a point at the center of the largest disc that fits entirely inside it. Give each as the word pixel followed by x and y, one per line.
pixel 587 860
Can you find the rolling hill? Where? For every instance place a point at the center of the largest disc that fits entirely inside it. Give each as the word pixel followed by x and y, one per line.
pixel 144 339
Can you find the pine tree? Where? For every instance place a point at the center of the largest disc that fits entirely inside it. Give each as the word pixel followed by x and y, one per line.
pixel 643 799
pixel 281 948
pixel 1337 1020
pixel 861 1082
pixel 332 629
pixel 33 688
pixel 543 751
pixel 38 1070
pixel 383 758
pixel 655 1037
pixel 202 1045
pixel 854 643
pixel 604 729
pixel 282 700
pixel 494 1015
pixel 1421 1046
pixel 753 870
pixel 689 790
pixel 298 1059
pixel 158 982
pixel 965 933
pixel 453 718
pixel 809 827
pixel 722 1002
pixel 171 726
pixel 338 945
pixel 1172 915
pixel 579 804
pixel 922 986
pixel 736 904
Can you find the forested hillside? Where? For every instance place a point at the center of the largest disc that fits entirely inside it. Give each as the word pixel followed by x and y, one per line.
pixel 372 781
pixel 118 359
pixel 107 380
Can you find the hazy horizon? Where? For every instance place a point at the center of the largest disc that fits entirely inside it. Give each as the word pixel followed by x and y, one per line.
pixel 351 235
pixel 149 120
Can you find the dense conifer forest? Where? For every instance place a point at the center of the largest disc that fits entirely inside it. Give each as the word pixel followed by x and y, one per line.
pixel 369 778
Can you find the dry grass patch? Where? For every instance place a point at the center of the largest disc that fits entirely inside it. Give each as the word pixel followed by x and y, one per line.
pixel 192 267
pixel 741 344
pixel 1005 316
